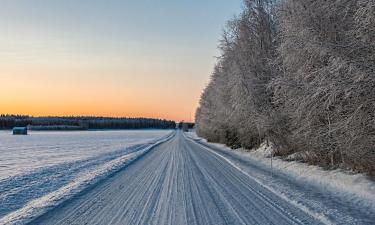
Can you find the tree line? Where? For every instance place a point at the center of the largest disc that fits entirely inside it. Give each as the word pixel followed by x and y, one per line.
pixel 83 122
pixel 298 74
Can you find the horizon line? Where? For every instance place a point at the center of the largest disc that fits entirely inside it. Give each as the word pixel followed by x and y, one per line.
pixel 92 116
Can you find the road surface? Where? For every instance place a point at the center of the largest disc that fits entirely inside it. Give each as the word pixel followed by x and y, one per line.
pixel 178 182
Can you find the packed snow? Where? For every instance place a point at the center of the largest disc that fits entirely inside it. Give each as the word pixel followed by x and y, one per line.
pixel 178 182
pixel 40 170
pixel 183 180
pixel 336 196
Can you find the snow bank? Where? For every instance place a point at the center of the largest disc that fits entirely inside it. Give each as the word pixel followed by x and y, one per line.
pixel 40 205
pixel 358 188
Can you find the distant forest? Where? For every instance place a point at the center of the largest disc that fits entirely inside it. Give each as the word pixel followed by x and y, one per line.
pixel 82 123
pixel 298 74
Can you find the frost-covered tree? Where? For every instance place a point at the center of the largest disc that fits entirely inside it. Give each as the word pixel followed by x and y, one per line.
pixel 237 102
pixel 327 85
pixel 299 73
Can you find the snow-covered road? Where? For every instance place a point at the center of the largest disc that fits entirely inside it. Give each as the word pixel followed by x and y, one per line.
pixel 179 182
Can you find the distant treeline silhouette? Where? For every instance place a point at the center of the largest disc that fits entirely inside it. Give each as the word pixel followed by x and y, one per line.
pixel 82 122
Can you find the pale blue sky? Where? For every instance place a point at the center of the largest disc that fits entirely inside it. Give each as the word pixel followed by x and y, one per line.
pixel 173 41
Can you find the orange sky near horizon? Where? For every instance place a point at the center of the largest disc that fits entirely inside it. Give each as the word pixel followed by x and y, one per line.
pixel 114 96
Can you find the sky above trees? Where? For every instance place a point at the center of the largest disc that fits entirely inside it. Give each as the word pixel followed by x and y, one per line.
pixel 108 58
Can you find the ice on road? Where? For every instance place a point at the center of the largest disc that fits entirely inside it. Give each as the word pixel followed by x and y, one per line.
pixel 178 182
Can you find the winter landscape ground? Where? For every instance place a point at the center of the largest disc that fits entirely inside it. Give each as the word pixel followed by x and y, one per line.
pixel 169 177
pixel 42 169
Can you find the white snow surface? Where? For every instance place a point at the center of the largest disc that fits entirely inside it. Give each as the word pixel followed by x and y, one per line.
pixel 42 169
pixel 179 182
pixel 176 178
pixel 356 186
pixel 355 192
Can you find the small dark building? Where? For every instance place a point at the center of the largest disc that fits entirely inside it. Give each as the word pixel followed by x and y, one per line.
pixel 19 131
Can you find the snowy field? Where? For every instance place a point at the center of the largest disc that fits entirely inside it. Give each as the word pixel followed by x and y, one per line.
pixel 42 169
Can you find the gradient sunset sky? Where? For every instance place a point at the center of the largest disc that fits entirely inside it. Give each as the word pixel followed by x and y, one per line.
pixel 136 58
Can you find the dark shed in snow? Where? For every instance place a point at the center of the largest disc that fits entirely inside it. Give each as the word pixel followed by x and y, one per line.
pixel 19 131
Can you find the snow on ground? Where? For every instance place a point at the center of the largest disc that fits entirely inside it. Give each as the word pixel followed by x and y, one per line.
pixel 344 182
pixel 178 182
pixel 329 193
pixel 42 169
